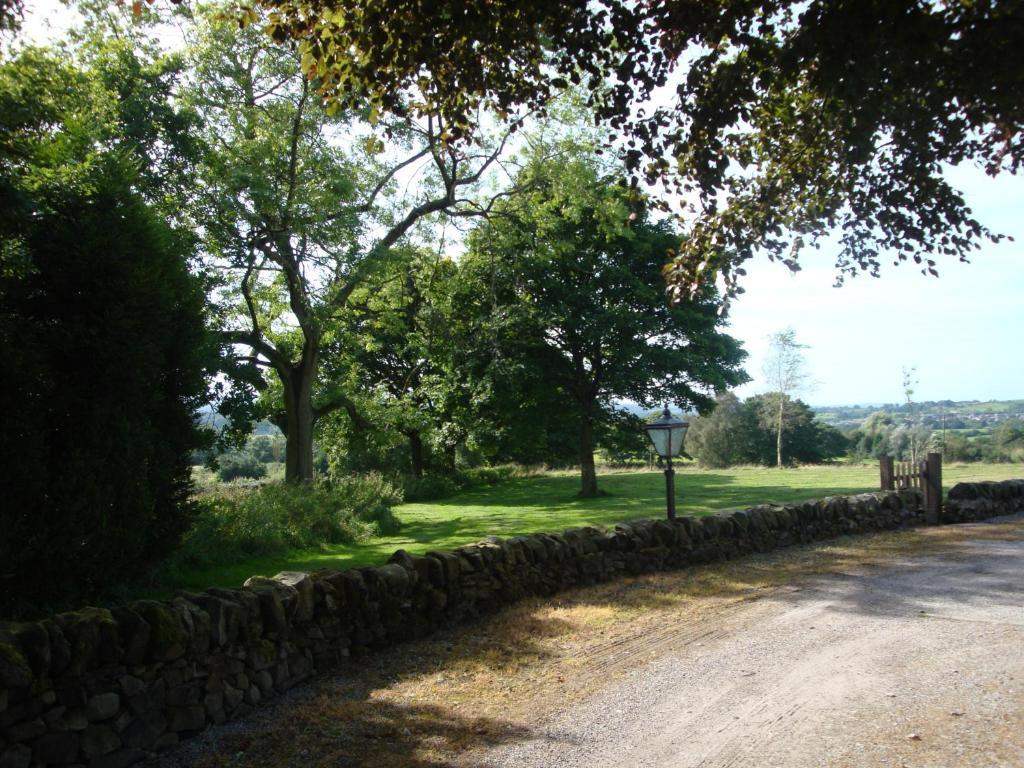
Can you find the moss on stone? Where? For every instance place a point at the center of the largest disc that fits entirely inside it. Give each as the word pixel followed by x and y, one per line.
pixel 87 630
pixel 14 669
pixel 167 639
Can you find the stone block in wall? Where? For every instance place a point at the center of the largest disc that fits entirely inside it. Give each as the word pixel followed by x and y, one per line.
pixel 133 633
pixel 102 706
pixel 353 587
pixel 451 568
pixel 515 553
pixel 184 695
pixel 92 636
pixel 97 740
pixel 196 623
pixel 25 730
pixel 221 619
pixel 15 671
pixel 60 648
pixel 56 748
pixel 190 718
pixel 146 728
pixel 274 599
pixel 251 627
pixel 261 654
pixel 120 759
pixel 213 703
pixel 232 698
pixel 557 551
pixel 229 615
pixel 16 756
pixel 395 578
pixel 633 534
pixel 301 582
pixel 168 639
pixel 32 642
pixel 331 582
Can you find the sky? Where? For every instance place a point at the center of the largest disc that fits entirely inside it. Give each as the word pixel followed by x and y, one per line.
pixel 962 331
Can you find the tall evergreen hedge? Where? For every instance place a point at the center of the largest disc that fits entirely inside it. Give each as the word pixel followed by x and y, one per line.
pixel 104 347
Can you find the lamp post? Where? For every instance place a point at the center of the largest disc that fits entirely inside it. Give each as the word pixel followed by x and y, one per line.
pixel 667 435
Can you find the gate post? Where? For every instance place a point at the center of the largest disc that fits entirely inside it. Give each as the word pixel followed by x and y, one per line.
pixel 885 468
pixel 932 488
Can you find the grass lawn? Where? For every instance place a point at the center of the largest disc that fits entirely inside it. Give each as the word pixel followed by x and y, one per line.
pixel 549 503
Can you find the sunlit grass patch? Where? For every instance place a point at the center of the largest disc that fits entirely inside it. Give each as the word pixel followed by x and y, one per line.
pixel 549 503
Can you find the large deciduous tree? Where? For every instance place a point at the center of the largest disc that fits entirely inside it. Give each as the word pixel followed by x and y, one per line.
pixel 567 273
pixel 394 352
pixel 300 205
pixel 782 121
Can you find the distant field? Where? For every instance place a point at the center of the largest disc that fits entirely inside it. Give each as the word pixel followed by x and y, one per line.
pixel 998 406
pixel 549 503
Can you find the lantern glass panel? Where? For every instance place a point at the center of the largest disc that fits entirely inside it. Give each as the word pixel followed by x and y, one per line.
pixel 678 435
pixel 662 440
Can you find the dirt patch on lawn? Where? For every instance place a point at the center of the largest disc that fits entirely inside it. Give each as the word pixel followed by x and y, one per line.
pixel 431 702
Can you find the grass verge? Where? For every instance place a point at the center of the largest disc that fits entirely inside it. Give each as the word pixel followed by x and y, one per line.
pixel 549 503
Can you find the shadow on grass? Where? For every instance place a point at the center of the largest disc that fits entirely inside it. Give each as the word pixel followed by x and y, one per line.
pixel 696 492
pixel 562 491
pixel 532 505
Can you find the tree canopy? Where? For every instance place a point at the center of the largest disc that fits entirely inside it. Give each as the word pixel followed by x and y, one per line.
pixel 743 432
pixel 568 270
pixel 779 122
pixel 300 206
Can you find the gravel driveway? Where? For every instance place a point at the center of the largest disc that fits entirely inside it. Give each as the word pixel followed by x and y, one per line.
pixel 895 649
pixel 919 662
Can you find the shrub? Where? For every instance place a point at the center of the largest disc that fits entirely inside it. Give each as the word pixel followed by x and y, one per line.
pixel 232 466
pixel 431 487
pixel 237 523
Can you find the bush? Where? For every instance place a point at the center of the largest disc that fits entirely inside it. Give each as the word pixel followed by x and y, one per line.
pixel 232 466
pixel 237 523
pixel 431 487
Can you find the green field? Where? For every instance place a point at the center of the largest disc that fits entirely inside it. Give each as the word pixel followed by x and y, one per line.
pixel 549 503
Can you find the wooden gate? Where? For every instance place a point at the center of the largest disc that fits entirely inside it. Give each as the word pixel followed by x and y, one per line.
pixel 927 476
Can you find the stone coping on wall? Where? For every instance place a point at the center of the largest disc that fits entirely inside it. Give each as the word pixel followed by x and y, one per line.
pixel 108 687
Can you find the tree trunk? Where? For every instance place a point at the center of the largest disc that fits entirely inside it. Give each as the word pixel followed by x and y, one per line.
pixel 587 471
pixel 778 437
pixel 416 451
pixel 299 423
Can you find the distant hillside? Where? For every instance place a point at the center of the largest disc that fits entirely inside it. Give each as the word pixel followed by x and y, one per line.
pixel 965 414
pixel 210 418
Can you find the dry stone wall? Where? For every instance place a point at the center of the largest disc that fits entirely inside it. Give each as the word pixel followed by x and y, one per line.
pixel 977 501
pixel 106 688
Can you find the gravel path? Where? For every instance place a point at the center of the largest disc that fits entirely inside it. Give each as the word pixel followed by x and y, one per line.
pixel 916 663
